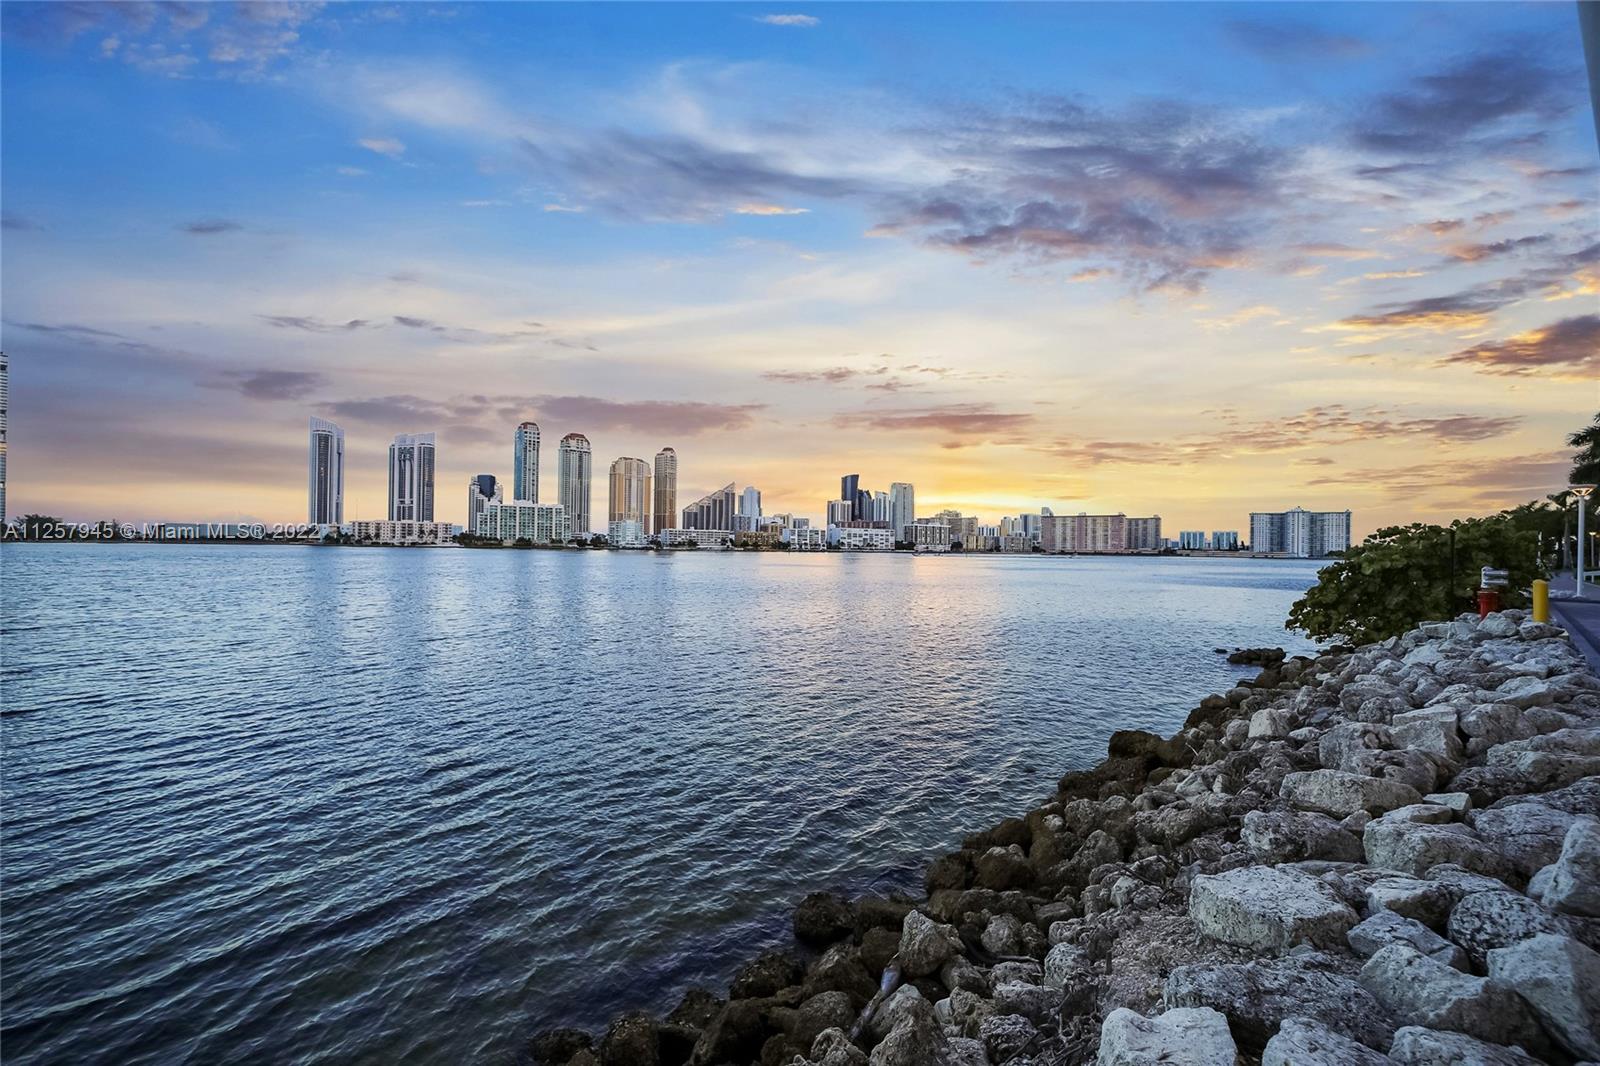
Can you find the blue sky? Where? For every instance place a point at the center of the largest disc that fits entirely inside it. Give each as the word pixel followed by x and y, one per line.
pixel 1193 259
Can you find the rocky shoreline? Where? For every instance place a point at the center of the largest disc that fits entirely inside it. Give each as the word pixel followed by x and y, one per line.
pixel 1387 854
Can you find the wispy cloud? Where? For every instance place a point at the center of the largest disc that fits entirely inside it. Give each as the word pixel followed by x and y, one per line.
pixel 1292 42
pixel 387 146
pixel 209 227
pixel 1570 348
pixel 789 20
pixel 769 209
pixel 313 325
pixel 269 384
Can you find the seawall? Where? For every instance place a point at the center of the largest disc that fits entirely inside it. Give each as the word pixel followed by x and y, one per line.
pixel 1387 854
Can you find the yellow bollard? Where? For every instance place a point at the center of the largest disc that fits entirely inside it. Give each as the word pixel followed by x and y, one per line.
pixel 1541 601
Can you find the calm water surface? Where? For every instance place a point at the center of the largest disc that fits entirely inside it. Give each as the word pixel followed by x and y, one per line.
pixel 335 806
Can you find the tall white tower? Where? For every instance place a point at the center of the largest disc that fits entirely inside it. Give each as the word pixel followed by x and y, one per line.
pixel 411 465
pixel 525 463
pixel 325 470
pixel 902 508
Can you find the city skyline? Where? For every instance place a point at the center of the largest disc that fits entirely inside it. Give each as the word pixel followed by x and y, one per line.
pixel 1341 256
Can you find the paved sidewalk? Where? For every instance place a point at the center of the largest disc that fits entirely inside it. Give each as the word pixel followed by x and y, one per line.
pixel 1580 618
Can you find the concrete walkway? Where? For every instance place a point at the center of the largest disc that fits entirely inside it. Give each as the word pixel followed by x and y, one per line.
pixel 1580 618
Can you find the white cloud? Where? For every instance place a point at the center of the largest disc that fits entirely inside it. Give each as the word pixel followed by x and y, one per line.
pixel 383 146
pixel 788 20
pixel 769 209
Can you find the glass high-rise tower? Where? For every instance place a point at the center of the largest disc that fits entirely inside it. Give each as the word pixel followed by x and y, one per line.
pixel 325 470
pixel 525 463
pixel 411 465
pixel 573 475
pixel 666 491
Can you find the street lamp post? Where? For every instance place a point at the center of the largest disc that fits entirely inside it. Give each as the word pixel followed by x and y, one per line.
pixel 1582 493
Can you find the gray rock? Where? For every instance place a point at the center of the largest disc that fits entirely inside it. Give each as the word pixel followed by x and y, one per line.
pixel 960 973
pixel 1422 991
pixel 960 1051
pixel 1186 1036
pixel 1336 745
pixel 1003 935
pixel 1291 836
pixel 826 1010
pixel 1416 1046
pixel 1560 978
pixel 1269 723
pixel 916 1038
pixel 1529 834
pixel 1574 883
pixel 905 1002
pixel 1267 909
pixel 1339 793
pixel 1257 996
pixel 1426 901
pixel 1386 927
pixel 1065 963
pixel 968 1011
pixel 1039 1004
pixel 925 945
pixel 1415 848
pixel 1301 1042
pixel 1005 1036
pixel 833 1048
pixel 1488 920
pixel 1461 883
pixel 1496 624
pixel 1458 802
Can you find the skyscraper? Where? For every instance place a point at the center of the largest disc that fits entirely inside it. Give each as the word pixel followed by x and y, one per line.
pixel 411 465
pixel 849 490
pixel 713 511
pixel 573 475
pixel 482 490
pixel 902 508
pixel 666 492
pixel 750 502
pixel 630 492
pixel 5 389
pixel 325 470
pixel 525 463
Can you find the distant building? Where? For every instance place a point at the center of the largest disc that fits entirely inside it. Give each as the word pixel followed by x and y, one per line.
pixel 806 538
pixel 325 470
pixel 627 533
pixel 1191 539
pixel 1099 533
pixel 929 535
pixel 860 539
pixel 715 510
pixel 750 502
pixel 1299 533
pixel 403 531
pixel 525 463
pixel 412 458
pixel 849 490
pixel 630 497
pixel 542 523
pixel 902 508
pixel 574 472
pixel 665 513
pixel 482 490
pixel 1225 540
pixel 700 538
pixel 839 512
pixel 1144 534
pixel 1016 544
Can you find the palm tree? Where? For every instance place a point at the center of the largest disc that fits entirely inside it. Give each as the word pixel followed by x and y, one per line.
pixel 1586 461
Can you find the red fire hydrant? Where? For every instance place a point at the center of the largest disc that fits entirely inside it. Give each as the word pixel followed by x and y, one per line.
pixel 1488 600
pixel 1490 582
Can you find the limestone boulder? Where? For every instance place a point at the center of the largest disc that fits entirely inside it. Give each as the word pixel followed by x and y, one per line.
pixel 1267 909
pixel 1302 1042
pixel 1529 834
pixel 1185 1036
pixel 1560 979
pixel 1488 920
pixel 1414 848
pixel 1573 886
pixel 1291 836
pixel 1427 902
pixel 1386 927
pixel 926 945
pixel 1339 793
pixel 1419 990
pixel 1416 1046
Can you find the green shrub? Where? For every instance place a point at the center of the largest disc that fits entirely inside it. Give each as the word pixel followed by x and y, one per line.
pixel 1403 575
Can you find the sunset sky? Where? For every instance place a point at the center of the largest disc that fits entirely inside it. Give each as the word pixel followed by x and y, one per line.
pixel 1193 260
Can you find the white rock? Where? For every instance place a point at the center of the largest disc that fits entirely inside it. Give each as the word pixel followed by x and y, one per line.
pixel 1427 902
pixel 1386 927
pixel 1415 848
pixel 1184 1036
pixel 1416 1046
pixel 1529 834
pixel 1459 802
pixel 1574 885
pixel 1561 979
pixel 1339 793
pixel 1423 991
pixel 1301 1042
pixel 1267 909
pixel 925 945
pixel 1269 723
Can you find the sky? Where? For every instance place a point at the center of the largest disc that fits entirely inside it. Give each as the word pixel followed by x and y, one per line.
pixel 1192 260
